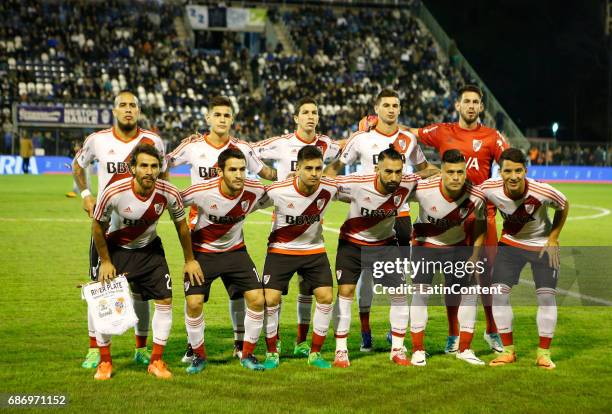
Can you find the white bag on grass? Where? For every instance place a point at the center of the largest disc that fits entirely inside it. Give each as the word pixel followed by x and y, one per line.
pixel 110 306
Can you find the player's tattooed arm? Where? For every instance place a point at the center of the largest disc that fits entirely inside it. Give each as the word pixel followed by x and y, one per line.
pixel 268 173
pixel 107 271
pixel 192 269
pixel 333 168
pixel 89 201
pixel 426 170
pixel 552 245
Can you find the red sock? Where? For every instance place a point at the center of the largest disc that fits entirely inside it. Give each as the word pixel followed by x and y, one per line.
pixel 158 351
pixel 200 351
pixel 491 327
pixel 92 342
pixel 364 317
pixel 141 341
pixel 105 354
pixel 271 343
pixel 453 320
pixel 302 332
pixel 507 338
pixel 247 349
pixel 545 342
pixel 417 341
pixel 465 340
pixel 317 342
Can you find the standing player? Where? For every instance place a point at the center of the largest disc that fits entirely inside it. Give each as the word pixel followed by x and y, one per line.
pixel 480 146
pixel 375 200
pixel 283 150
pixel 296 245
pixel 218 244
pixel 528 236
pixel 111 148
pixel 364 147
pixel 440 235
pixel 201 153
pixel 124 232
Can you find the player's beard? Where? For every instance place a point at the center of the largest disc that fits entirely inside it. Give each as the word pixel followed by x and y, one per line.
pixel 390 186
pixel 146 185
pixel 466 118
pixel 127 129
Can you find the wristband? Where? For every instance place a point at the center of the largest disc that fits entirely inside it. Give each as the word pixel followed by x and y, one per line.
pixel 85 193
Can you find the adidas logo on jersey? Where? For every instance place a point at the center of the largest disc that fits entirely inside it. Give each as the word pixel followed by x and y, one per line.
pixel 434 208
pixel 213 207
pixel 127 209
pixel 367 199
pixel 111 152
pixel 290 205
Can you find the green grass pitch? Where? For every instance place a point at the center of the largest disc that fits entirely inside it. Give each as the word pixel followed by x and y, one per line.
pixel 44 239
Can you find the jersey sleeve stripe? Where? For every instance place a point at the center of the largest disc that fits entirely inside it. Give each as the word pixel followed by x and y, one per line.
pixel 549 195
pixel 351 138
pixel 109 194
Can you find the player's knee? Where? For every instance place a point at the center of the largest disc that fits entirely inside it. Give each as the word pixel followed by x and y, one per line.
pixel 347 291
pixel 324 297
pixel 166 301
pixel 194 305
pixel 255 300
pixel 272 297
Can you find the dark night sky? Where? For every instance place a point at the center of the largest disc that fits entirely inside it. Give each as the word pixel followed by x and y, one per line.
pixel 538 57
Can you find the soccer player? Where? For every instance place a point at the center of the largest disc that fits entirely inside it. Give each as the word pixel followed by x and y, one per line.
pixel 528 236
pixel 440 234
pixel 296 245
pixel 125 236
pixel 201 153
pixel 112 148
pixel 480 146
pixel 283 150
pixel 364 147
pixel 218 244
pixel 374 203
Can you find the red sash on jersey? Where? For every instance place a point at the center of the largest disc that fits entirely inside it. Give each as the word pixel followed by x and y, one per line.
pixel 128 234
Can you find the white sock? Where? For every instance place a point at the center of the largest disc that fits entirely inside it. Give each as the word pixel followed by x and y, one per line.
pixel 467 313
pixel 399 313
pixel 253 324
pixel 271 321
pixel 547 312
pixel 343 321
pixel 304 309
pixel 195 329
pixel 418 308
pixel 162 323
pixel 142 310
pixel 365 284
pixel 322 318
pixel 237 311
pixel 502 310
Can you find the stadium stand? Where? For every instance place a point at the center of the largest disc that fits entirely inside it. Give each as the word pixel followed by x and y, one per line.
pixel 84 52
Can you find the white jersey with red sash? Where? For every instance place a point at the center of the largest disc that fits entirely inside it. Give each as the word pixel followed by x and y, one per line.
pixel 220 218
pixel 133 219
pixel 371 214
pixel 113 154
pixel 441 220
pixel 526 221
pixel 297 227
pixel 284 149
pixel 202 156
pixel 365 147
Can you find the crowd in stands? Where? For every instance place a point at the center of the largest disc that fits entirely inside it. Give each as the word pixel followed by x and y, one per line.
pixel 558 153
pixel 79 52
pixel 346 56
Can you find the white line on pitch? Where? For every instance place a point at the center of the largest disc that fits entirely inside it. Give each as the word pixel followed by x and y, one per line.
pixel 602 212
pixel 572 294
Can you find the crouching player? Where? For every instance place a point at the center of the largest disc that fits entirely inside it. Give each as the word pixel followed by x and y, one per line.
pixel 296 246
pixel 528 236
pixel 129 210
pixel 445 203
pixel 375 200
pixel 218 243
